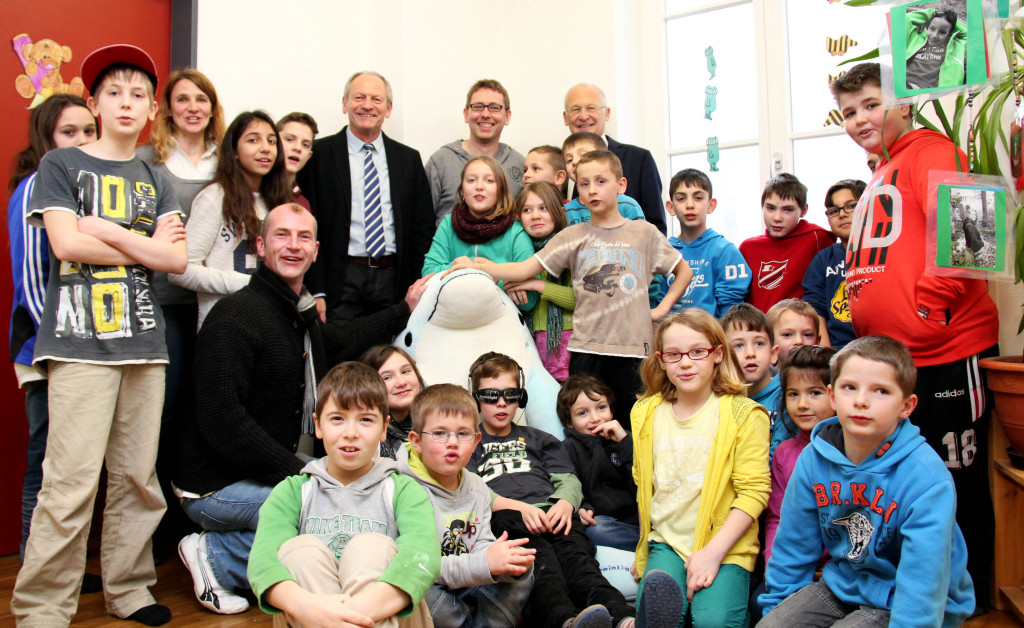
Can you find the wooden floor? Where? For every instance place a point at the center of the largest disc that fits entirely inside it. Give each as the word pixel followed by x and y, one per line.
pixel 174 589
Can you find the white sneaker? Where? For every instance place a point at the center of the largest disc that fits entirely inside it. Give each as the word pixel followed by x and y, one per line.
pixel 192 550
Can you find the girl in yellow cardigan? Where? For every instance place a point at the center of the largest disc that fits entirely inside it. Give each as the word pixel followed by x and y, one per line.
pixel 700 462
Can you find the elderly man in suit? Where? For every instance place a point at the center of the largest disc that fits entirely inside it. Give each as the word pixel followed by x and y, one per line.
pixel 586 109
pixel 371 197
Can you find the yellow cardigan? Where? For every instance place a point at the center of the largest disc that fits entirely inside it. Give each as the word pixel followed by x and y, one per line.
pixel 736 477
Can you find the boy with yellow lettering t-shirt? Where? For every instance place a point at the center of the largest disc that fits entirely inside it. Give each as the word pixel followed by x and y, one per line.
pixel 111 220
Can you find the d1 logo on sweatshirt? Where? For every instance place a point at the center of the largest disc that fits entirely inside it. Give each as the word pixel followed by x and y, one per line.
pixel 460 533
pixel 771 273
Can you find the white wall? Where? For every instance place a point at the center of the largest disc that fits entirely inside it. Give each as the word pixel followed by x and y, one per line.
pixel 297 55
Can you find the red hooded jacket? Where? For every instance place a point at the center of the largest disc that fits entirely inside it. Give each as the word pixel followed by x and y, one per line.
pixel 940 319
pixel 779 264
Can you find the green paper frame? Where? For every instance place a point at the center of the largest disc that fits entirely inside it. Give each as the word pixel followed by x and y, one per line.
pixel 974 58
pixel 946 243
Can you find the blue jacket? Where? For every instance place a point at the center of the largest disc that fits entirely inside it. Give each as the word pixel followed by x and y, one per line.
pixel 888 524
pixel 825 290
pixel 782 427
pixel 30 269
pixel 720 274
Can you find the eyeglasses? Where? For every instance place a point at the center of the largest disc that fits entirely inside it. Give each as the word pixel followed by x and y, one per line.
pixel 479 106
pixel 590 109
pixel 490 395
pixel 849 208
pixel 442 436
pixel 697 353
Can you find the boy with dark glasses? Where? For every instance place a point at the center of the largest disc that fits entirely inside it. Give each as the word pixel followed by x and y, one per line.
pixel 530 468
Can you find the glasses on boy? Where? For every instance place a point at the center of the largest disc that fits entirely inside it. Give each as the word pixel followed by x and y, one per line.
pixel 697 353
pixel 490 395
pixel 849 208
pixel 442 436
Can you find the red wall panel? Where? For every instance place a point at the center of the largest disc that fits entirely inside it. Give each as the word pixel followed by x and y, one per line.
pixel 82 26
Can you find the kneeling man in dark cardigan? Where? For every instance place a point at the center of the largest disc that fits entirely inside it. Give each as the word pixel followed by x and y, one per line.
pixel 259 356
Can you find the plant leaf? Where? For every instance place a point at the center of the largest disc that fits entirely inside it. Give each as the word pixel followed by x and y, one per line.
pixel 958 117
pixel 941 113
pixel 1019 261
pixel 873 54
pixel 928 124
pixel 988 125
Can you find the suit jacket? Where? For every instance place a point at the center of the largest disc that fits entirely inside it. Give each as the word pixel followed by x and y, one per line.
pixel 327 183
pixel 643 182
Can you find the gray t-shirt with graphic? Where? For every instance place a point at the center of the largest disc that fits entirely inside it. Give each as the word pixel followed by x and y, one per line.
pixel 101 314
pixel 611 270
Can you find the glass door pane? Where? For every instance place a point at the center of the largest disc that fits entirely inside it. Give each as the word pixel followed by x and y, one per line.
pixel 700 105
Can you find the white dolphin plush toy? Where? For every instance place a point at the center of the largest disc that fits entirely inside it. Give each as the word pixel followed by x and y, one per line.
pixel 463 316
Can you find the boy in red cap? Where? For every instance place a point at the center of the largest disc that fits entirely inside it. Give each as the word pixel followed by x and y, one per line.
pixel 111 220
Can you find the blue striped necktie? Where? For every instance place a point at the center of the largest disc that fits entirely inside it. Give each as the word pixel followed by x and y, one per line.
pixel 373 222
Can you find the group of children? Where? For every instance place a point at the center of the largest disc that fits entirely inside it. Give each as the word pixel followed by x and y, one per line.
pixel 512 507
pixel 681 476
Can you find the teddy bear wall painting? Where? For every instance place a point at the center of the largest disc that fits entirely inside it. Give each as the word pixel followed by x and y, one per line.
pixel 42 62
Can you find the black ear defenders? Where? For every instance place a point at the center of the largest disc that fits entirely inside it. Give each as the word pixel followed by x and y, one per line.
pixel 491 395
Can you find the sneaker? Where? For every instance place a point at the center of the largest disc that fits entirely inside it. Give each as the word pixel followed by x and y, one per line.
pixel 661 601
pixel 595 616
pixel 192 550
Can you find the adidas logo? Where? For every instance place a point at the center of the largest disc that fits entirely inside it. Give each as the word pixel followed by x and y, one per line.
pixel 946 394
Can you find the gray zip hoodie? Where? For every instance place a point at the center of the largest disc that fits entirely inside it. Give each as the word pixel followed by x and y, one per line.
pixel 463 519
pixel 380 501
pixel 335 513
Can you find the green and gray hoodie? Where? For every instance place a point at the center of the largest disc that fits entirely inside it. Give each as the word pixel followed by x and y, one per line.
pixel 381 501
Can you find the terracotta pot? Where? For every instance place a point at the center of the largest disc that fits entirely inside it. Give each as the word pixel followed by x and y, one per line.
pixel 1005 379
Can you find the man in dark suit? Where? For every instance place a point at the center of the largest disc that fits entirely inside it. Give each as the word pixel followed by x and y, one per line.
pixel 586 109
pixel 371 197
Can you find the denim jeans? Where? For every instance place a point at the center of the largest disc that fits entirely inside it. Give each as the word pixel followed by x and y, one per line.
pixel 611 532
pixel 229 517
pixel 497 605
pixel 37 411
pixel 816 605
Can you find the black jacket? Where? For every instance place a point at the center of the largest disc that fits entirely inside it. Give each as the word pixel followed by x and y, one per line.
pixel 327 183
pixel 605 469
pixel 250 382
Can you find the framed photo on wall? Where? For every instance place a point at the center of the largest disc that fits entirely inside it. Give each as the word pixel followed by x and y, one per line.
pixel 970 229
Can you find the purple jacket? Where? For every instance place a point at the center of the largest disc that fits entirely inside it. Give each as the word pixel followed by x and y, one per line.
pixel 782 467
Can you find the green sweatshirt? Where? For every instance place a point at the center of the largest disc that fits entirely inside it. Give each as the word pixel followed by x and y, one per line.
pixel 315 503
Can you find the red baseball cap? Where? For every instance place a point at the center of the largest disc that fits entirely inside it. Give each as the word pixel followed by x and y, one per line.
pixel 102 58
